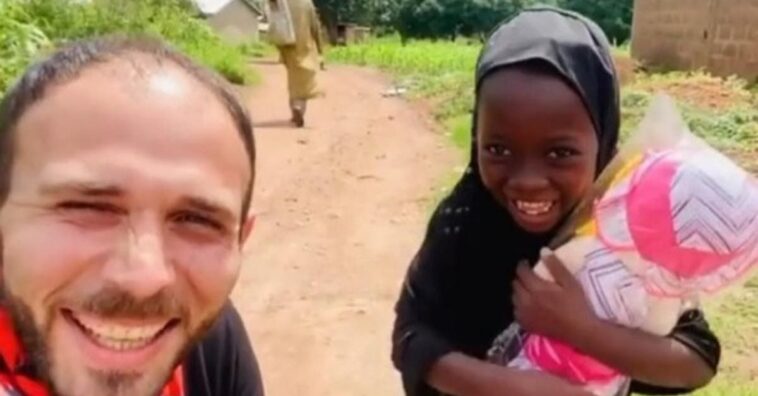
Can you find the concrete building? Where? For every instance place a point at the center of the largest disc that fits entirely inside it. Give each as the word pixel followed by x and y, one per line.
pixel 236 20
pixel 720 36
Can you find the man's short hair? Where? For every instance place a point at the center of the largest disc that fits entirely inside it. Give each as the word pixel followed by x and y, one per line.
pixel 70 61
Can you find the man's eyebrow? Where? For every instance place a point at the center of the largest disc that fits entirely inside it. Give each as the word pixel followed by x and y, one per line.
pixel 95 190
pixel 90 189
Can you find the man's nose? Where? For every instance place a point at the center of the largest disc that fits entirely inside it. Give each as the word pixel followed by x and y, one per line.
pixel 141 267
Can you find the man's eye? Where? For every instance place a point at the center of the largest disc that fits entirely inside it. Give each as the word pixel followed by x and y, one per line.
pixel 197 219
pixel 497 149
pixel 87 206
pixel 563 152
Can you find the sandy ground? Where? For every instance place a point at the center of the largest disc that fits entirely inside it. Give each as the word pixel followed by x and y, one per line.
pixel 342 206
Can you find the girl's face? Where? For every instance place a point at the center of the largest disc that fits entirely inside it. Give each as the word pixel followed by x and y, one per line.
pixel 537 148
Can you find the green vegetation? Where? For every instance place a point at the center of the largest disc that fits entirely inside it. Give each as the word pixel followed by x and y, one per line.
pixel 449 19
pixel 29 27
pixel 723 111
pixel 439 72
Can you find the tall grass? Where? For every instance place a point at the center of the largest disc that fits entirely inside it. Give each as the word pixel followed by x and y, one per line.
pixel 724 112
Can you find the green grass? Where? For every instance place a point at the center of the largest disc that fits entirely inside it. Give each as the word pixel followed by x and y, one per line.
pixel 722 111
pixel 31 28
pixel 735 319
pixel 257 49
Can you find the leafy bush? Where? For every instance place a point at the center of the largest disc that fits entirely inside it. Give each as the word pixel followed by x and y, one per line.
pixel 19 41
pixel 26 26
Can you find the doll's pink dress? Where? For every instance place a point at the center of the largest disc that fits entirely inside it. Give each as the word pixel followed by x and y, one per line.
pixel 682 225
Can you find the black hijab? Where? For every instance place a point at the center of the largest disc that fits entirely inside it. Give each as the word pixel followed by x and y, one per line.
pixel 457 294
pixel 577 50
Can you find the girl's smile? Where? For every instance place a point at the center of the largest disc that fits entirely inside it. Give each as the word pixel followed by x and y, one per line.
pixel 538 148
pixel 534 214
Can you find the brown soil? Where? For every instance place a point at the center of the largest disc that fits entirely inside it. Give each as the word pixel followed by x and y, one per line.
pixel 342 206
pixel 700 90
pixel 626 68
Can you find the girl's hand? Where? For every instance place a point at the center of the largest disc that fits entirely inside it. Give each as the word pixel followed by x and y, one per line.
pixel 557 310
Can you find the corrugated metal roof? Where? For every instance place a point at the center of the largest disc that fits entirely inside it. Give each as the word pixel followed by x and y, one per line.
pixel 210 7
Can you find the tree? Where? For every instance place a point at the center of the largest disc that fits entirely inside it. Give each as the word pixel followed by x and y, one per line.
pixel 453 18
pixel 613 16
pixel 449 19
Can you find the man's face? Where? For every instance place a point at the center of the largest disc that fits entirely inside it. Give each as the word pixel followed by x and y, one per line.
pixel 120 232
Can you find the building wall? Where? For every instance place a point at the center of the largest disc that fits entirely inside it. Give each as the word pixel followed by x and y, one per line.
pixel 236 22
pixel 718 35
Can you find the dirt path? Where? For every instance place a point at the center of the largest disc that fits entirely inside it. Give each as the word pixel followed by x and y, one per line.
pixel 342 207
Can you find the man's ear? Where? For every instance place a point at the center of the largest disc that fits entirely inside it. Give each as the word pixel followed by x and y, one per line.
pixel 247 229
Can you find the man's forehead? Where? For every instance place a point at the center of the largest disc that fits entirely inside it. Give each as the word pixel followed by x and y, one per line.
pixel 128 90
pixel 156 112
pixel 141 74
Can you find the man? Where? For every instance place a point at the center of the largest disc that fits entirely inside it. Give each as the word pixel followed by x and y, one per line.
pixel 125 185
pixel 303 58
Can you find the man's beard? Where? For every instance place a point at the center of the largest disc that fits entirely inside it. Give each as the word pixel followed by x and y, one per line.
pixel 108 303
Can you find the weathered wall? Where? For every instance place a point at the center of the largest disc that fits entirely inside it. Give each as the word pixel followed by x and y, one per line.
pixel 718 35
pixel 236 22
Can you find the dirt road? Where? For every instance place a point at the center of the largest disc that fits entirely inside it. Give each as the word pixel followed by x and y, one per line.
pixel 342 206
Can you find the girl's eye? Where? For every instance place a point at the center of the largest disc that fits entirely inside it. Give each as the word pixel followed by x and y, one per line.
pixel 563 152
pixel 497 150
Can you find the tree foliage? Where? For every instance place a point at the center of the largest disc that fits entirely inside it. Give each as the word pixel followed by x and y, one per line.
pixel 453 18
pixel 448 19
pixel 614 16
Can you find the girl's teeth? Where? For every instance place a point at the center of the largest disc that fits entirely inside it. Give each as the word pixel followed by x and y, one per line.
pixel 534 208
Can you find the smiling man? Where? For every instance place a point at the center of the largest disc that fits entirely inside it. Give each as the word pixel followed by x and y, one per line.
pixel 126 173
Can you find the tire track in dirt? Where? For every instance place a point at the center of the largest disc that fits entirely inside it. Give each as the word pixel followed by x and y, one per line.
pixel 342 207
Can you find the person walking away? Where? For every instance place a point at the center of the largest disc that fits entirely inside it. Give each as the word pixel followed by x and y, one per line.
pixel 302 58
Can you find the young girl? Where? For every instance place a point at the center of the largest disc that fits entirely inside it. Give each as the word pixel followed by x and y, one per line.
pixel 546 123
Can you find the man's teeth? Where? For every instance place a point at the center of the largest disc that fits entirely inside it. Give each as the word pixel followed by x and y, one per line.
pixel 534 208
pixel 119 337
pixel 121 345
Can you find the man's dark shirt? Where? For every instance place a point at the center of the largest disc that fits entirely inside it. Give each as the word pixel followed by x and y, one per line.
pixel 223 364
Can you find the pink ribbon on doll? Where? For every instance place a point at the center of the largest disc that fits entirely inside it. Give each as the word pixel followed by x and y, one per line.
pixel 566 362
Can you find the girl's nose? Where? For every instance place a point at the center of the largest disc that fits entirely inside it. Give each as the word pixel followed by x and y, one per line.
pixel 528 178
